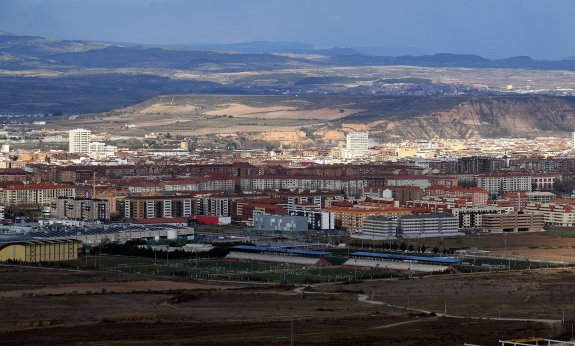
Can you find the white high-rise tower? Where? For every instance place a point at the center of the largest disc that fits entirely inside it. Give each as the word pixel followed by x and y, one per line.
pixel 356 145
pixel 79 141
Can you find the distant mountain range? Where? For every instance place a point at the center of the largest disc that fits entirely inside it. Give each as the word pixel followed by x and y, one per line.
pixel 269 47
pixel 30 52
pixel 45 76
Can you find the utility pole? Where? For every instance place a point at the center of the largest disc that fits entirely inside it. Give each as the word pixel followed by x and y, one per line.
pixel 291 333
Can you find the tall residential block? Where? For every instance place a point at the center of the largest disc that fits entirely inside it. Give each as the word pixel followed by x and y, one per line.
pixel 79 141
pixel 356 145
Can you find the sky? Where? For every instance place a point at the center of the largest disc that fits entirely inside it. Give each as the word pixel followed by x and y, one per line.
pixel 542 29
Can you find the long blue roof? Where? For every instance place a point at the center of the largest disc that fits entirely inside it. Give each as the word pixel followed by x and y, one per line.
pixel 275 249
pixel 445 260
pixel 301 245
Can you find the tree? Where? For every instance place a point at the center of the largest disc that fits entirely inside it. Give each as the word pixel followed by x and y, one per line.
pixel 403 246
pixel 411 248
pixel 435 249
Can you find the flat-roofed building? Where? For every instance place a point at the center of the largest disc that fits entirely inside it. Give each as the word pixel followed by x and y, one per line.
pixel 152 207
pixel 512 222
pixel 317 219
pixel 356 145
pixel 286 223
pixel 352 219
pixel 422 181
pixel 499 184
pixel 350 186
pixel 81 209
pixel 200 184
pixel 427 225
pixel 79 141
pixel 35 194
pixel 472 217
pixel 379 228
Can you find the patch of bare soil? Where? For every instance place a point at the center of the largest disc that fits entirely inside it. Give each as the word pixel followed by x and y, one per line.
pixel 112 287
pixel 282 112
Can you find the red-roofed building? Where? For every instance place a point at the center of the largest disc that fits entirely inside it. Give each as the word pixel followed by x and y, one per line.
pixel 352 218
pixel 144 186
pixel 475 195
pixel 559 212
pixel 245 210
pixel 14 174
pixel 350 186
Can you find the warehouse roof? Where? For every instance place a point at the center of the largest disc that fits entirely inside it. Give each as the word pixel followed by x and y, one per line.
pixel 406 257
pixel 35 242
pixel 275 249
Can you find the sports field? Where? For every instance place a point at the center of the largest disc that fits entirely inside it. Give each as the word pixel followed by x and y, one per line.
pixel 247 271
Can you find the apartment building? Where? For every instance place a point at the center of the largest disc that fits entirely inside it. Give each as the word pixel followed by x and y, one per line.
pixel 350 186
pixel 150 207
pixel 559 212
pixel 410 226
pixel 421 181
pixel 79 141
pixel 513 222
pixel 427 225
pixel 81 209
pixel 499 184
pixel 34 194
pixel 477 196
pixel 379 228
pixel 200 184
pixel 356 145
pixel 317 219
pixel 471 217
pixel 352 219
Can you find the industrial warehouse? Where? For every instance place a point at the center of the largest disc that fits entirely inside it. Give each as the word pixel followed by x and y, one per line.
pixel 394 262
pixel 35 251
pixel 363 260
pixel 278 255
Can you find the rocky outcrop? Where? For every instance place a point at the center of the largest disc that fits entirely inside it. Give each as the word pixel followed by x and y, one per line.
pixel 513 116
